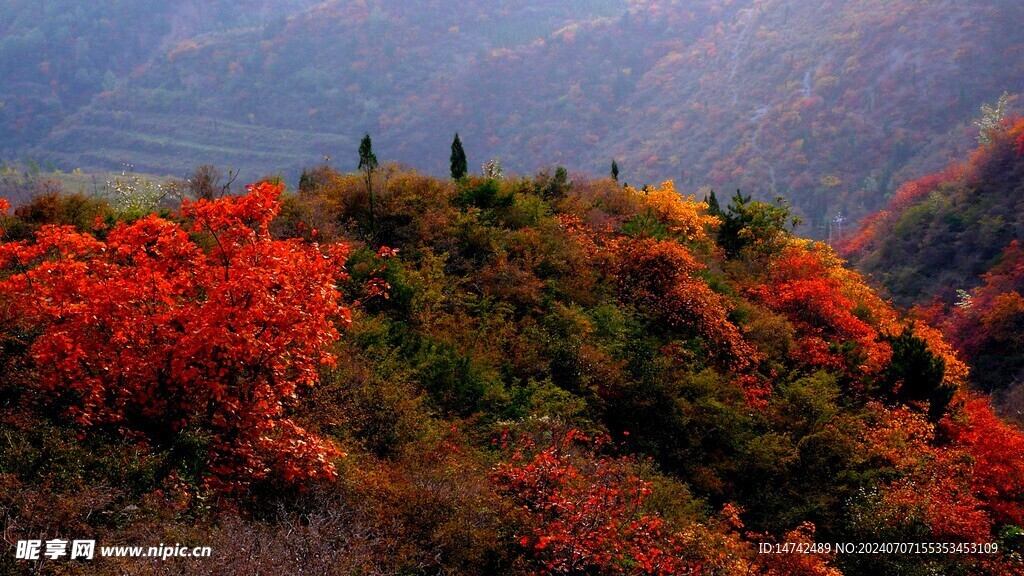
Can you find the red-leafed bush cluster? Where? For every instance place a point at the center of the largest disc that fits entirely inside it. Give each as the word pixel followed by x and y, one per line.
pixel 994 447
pixel 584 513
pixel 960 488
pixel 802 287
pixel 204 322
pixel 661 276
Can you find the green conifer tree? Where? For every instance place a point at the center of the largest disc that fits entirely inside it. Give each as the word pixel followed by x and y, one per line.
pixel 367 165
pixel 714 208
pixel 460 166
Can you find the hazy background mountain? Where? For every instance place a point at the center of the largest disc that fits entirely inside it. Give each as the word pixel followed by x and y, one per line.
pixel 832 103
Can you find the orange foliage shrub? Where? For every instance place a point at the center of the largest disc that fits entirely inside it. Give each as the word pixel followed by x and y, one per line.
pixel 802 286
pixel 660 276
pixel 957 372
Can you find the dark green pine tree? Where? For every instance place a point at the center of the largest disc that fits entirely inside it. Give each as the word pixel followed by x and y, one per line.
pixel 367 165
pixel 734 220
pixel 916 375
pixel 615 170
pixel 460 167
pixel 714 208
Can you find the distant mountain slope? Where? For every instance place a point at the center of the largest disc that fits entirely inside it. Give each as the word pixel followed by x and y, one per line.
pixel 56 56
pixel 940 233
pixel 313 82
pixel 832 103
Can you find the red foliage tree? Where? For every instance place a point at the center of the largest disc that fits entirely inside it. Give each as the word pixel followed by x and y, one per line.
pixel 660 276
pixel 584 513
pixel 208 323
pixel 802 287
pixel 995 448
pixel 934 483
pixel 915 190
pixel 962 488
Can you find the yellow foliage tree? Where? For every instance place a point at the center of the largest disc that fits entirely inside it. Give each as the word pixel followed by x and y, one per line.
pixel 684 216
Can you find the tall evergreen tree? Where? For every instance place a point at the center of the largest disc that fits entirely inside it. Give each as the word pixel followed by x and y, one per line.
pixel 714 208
pixel 748 223
pixel 460 166
pixel 615 170
pixel 916 375
pixel 367 165
pixel 735 219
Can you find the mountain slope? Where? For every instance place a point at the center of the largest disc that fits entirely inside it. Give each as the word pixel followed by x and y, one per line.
pixel 950 243
pixel 940 233
pixel 563 373
pixel 832 103
pixel 57 56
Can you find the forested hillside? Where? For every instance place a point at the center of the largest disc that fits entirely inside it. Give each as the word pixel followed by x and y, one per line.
pixel 833 104
pixel 950 243
pixel 387 373
pixel 770 324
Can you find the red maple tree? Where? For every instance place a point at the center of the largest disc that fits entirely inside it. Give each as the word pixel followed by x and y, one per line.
pixel 584 512
pixel 202 322
pixel 661 277
pixel 994 447
pixel 802 287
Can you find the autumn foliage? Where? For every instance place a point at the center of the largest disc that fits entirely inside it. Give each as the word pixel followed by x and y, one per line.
pixel 803 287
pixel 986 324
pixel 960 489
pixel 948 245
pixel 584 513
pixel 940 232
pixel 994 448
pixel 587 512
pixel 934 487
pixel 661 276
pixel 203 322
pixel 684 216
pixel 530 376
